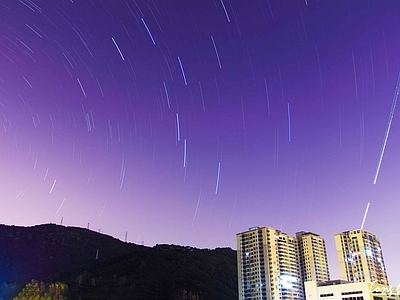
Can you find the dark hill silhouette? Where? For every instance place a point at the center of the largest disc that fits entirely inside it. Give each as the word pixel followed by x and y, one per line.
pixel 54 253
pixel 39 251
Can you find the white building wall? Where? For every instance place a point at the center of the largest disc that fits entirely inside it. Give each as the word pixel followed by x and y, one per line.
pixel 350 291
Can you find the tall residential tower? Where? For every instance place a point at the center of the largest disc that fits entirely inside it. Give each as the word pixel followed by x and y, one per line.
pixel 313 258
pixel 360 257
pixel 268 265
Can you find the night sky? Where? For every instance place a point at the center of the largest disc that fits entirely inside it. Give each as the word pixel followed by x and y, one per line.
pixel 186 122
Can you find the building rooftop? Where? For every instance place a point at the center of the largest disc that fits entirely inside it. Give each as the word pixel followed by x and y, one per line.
pixel 332 282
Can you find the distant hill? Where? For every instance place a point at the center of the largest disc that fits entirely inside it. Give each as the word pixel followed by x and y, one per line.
pixel 39 251
pixel 53 253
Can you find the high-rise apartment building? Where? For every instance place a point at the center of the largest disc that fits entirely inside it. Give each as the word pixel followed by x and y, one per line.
pixel 313 258
pixel 268 265
pixel 360 257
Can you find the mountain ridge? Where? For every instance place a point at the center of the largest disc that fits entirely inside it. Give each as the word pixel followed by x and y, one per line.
pixel 98 266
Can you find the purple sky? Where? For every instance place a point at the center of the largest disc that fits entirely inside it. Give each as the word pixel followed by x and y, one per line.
pixel 188 121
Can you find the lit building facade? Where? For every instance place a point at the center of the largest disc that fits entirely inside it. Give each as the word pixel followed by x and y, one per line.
pixel 268 265
pixel 344 290
pixel 313 258
pixel 360 257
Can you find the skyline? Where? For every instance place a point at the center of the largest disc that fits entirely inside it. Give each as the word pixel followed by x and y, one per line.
pixel 186 123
